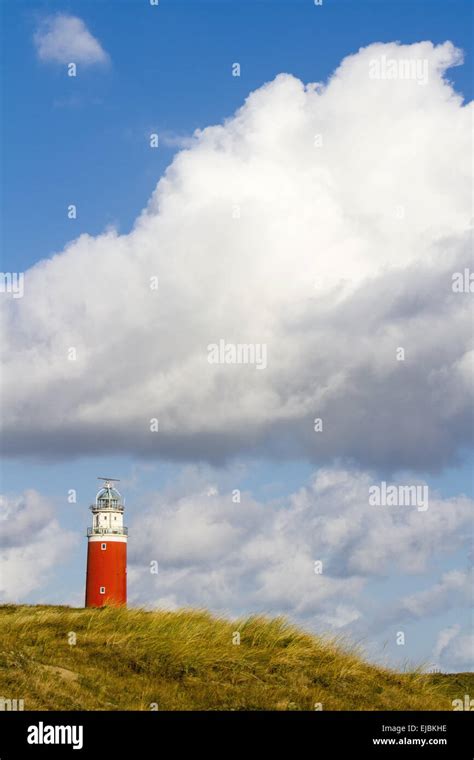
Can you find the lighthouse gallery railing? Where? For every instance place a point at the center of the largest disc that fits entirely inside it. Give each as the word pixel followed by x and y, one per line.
pixel 100 531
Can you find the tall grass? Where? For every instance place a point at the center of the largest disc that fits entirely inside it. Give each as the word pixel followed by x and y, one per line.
pixel 60 658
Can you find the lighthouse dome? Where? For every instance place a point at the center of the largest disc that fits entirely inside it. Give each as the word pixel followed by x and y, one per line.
pixel 108 497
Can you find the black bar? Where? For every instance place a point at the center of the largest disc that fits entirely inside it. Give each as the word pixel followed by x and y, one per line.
pixel 224 733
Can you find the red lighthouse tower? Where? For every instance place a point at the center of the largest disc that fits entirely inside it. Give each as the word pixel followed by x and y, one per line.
pixel 106 581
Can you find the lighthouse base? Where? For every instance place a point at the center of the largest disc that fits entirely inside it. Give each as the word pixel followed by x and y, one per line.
pixel 106 581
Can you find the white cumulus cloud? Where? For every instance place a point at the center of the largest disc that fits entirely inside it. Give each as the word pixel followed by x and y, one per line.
pixel 251 556
pixel 324 221
pixel 454 649
pixel 31 544
pixel 66 39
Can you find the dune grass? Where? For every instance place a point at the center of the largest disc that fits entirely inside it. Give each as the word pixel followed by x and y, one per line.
pixel 132 659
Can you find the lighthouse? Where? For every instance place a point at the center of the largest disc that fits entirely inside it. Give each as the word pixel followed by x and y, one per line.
pixel 106 580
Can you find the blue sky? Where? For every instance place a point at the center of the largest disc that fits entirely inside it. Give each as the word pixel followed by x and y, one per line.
pixel 85 140
pixel 57 113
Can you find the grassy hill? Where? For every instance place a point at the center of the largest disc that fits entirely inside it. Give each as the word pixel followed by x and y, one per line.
pixel 137 660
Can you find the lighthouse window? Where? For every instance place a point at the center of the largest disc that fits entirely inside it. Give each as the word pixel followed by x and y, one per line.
pixel 103 547
pixel 102 590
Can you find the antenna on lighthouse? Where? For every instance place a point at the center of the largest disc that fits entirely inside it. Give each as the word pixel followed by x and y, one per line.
pixel 108 481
